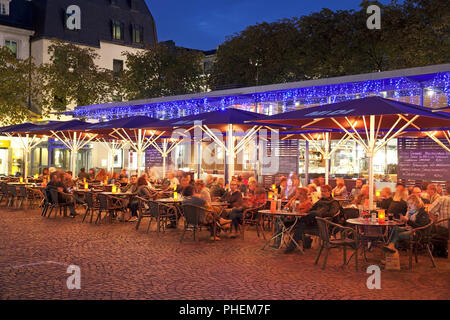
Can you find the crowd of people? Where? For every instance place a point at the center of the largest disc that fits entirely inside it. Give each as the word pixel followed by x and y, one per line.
pixel 243 193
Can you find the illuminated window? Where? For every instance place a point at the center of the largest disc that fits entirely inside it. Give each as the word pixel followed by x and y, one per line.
pixel 117 30
pixel 4 7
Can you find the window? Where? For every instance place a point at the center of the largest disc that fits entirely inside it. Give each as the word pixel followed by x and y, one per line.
pixel 117 30
pixel 114 2
pixel 12 45
pixel 133 4
pixel 4 7
pixel 138 33
pixel 117 66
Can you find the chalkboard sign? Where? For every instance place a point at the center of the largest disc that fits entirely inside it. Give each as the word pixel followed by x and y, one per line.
pixel 153 158
pixel 422 159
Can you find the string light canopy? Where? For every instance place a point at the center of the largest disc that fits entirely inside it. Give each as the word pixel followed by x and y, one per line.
pixel 408 89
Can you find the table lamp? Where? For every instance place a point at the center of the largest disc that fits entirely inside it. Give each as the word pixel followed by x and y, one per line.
pixel 36 176
pixel 175 196
pixel 21 180
pixel 86 186
pixel 378 193
pixel 270 195
pixel 114 189
pixel 381 216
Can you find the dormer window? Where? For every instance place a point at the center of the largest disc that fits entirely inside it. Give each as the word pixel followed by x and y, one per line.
pixel 4 7
pixel 137 33
pixel 133 4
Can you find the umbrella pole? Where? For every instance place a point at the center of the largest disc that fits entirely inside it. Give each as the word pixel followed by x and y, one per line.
pixel 164 156
pixel 139 154
pixel 74 154
pixel 327 157
pixel 371 154
pixel 25 159
pixel 112 159
pixel 230 153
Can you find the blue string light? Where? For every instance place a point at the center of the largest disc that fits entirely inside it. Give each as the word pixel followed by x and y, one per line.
pixel 280 100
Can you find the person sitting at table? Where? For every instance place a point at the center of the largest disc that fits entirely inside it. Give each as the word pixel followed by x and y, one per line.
pixel 282 185
pixel 57 184
pixel 83 175
pixel 363 198
pixel 123 174
pixel 91 175
pixel 101 176
pixel 241 185
pixel 300 203
pixel 385 198
pixel 45 174
pixel 416 217
pixel 356 190
pixel 183 185
pixel 398 204
pixel 143 191
pixel 440 209
pixel 210 217
pixel 432 192
pixel 340 191
pixel 68 180
pixel 256 198
pixel 418 192
pixel 293 189
pixel 233 196
pixel 217 189
pixel 325 207
pixel 173 181
pixel 203 191
pixel 314 196
pixel 132 186
pixel 114 178
pixel 210 180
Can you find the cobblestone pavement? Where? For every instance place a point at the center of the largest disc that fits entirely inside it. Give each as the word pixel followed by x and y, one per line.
pixel 118 262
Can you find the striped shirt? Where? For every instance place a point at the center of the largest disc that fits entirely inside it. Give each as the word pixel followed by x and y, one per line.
pixel 441 208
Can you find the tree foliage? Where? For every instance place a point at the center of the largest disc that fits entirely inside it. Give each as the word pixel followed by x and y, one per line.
pixel 17 87
pixel 161 71
pixel 72 78
pixel 334 43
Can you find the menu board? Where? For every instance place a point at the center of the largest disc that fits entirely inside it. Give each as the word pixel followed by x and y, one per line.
pixel 422 159
pixel 153 158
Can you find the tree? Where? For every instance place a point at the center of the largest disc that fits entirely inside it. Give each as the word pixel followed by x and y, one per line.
pixel 17 87
pixel 335 43
pixel 161 71
pixel 72 78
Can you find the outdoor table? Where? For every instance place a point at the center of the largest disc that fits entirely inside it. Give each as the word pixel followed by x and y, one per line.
pixel 284 230
pixel 219 204
pixel 169 200
pixel 362 222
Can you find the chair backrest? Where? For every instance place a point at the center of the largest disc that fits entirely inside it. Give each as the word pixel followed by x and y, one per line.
pixel 103 201
pixel 23 191
pixel 12 190
pixel 350 213
pixel 54 196
pixel 192 214
pixel 323 229
pixel 4 188
pixel 89 198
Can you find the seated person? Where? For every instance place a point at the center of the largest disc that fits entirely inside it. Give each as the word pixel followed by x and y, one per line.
pixel 172 180
pixel 282 185
pixel 363 197
pixel 143 191
pixel 340 191
pixel 314 196
pixel 398 204
pixel 56 184
pixel 91 175
pixel 123 174
pixel 210 217
pixel 217 189
pixel 256 198
pixel 183 185
pixel 233 196
pixel 325 207
pixel 293 188
pixel 432 193
pixel 300 203
pixel 132 186
pixel 83 175
pixel 418 192
pixel 114 179
pixel 385 198
pixel 416 217
pixel 440 209
pixel 356 190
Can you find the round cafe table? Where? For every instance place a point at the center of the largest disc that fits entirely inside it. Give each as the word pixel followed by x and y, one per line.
pixel 279 215
pixel 364 223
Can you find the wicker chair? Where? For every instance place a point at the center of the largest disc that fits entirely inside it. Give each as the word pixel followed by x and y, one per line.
pixel 420 238
pixel 156 211
pixel 348 239
pixel 252 217
pixel 193 219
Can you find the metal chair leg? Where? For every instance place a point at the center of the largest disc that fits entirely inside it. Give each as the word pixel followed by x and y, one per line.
pixel 431 255
pixel 318 254
pixel 325 258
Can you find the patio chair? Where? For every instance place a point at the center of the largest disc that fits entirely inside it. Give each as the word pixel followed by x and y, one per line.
pixel 348 239
pixel 90 204
pixel 110 205
pixel 161 213
pixel 420 238
pixel 12 195
pixel 47 202
pixel 34 197
pixel 440 241
pixel 314 230
pixel 22 196
pixel 193 219
pixel 252 217
pixel 56 203
pixel 4 193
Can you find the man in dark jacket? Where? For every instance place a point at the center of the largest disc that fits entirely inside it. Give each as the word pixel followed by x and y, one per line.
pixel 325 207
pixel 56 184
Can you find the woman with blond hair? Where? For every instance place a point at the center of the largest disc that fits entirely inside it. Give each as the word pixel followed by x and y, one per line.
pixel 416 217
pixel 101 175
pixel 312 193
pixel 340 190
pixel 398 204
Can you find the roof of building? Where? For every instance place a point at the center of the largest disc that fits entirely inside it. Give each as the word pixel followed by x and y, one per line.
pixel 20 15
